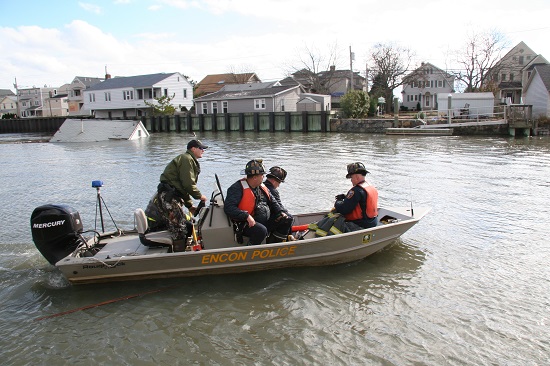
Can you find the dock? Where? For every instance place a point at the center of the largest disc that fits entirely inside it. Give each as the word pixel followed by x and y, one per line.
pixel 420 131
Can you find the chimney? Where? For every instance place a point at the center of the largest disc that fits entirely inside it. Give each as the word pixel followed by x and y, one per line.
pixel 332 68
pixel 107 75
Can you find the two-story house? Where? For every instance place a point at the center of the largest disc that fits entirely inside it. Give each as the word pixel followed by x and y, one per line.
pixel 331 82
pixel 125 97
pixel 76 95
pixel 32 101
pixel 511 73
pixel 8 105
pixel 252 97
pixel 422 86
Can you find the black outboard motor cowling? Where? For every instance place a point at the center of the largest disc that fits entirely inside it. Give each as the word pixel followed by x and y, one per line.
pixel 55 230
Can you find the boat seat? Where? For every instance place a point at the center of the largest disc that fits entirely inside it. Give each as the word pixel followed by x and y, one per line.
pixel 155 239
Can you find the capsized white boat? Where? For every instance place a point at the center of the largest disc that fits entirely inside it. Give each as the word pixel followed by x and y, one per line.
pixel 210 249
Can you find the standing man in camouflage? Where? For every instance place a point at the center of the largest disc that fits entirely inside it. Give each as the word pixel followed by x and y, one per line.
pixel 178 187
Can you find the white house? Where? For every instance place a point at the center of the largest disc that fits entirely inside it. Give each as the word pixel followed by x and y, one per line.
pixel 423 86
pixel 537 91
pixel 470 105
pixel 124 97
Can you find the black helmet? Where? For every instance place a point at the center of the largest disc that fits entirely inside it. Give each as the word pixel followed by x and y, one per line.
pixel 356 168
pixel 277 173
pixel 254 167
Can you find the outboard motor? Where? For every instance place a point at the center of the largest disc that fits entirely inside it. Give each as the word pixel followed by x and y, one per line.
pixel 55 231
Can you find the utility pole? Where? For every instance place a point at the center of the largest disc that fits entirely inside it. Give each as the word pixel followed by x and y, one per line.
pixel 16 98
pixel 367 75
pixel 351 58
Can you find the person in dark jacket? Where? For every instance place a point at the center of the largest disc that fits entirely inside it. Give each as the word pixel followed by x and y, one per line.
pixel 249 204
pixel 177 188
pixel 360 204
pixel 279 226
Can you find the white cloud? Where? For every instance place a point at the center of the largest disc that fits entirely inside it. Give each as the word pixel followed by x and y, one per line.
pixel 90 7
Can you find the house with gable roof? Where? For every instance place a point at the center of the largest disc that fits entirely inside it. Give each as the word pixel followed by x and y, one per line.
pixel 252 97
pixel 8 105
pixel 213 83
pixel 125 97
pixel 511 73
pixel 76 93
pixel 423 85
pixel 537 91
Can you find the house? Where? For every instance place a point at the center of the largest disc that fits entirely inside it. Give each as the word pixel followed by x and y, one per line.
pixel 537 91
pixel 93 130
pixel 332 82
pixel 467 105
pixel 124 97
pixel 32 101
pixel 8 104
pixel 56 105
pixel 254 97
pixel 423 86
pixel 213 83
pixel 76 95
pixel 511 73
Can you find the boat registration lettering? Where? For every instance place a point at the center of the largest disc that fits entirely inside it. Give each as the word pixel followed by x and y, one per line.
pixel 243 256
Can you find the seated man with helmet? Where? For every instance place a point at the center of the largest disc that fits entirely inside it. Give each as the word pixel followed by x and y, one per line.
pixel 279 226
pixel 360 205
pixel 249 205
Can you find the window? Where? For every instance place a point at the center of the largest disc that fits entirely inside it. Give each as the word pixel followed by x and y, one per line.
pixel 165 92
pixel 511 77
pixel 427 104
pixel 282 105
pixel 185 93
pixel 204 107
pixel 214 107
pixel 92 97
pixel 224 107
pixel 107 96
pixel 128 94
pixel 503 77
pixel 521 60
pixel 259 103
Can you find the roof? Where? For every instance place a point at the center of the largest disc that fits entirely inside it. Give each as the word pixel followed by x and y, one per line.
pixel 139 81
pixel 244 91
pixel 88 81
pixel 213 83
pixel 92 130
pixel 4 92
pixel 544 72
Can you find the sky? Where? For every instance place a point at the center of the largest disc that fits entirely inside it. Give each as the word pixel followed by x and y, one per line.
pixel 51 42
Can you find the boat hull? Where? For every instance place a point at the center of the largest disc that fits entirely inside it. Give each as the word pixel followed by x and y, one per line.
pixel 125 258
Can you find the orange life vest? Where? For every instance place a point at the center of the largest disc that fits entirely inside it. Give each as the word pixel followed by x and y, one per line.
pixel 372 204
pixel 248 201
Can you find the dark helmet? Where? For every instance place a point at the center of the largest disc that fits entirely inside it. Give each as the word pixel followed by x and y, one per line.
pixel 277 173
pixel 254 167
pixel 356 168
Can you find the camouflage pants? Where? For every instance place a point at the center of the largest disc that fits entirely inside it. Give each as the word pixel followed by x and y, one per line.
pixel 172 211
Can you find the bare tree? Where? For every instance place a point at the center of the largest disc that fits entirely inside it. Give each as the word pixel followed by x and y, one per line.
pixel 316 70
pixel 478 60
pixel 390 64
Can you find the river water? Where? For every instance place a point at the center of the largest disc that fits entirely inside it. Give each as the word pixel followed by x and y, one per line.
pixel 468 285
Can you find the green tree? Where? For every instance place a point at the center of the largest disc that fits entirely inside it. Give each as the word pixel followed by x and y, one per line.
pixel 162 107
pixel 8 116
pixel 355 104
